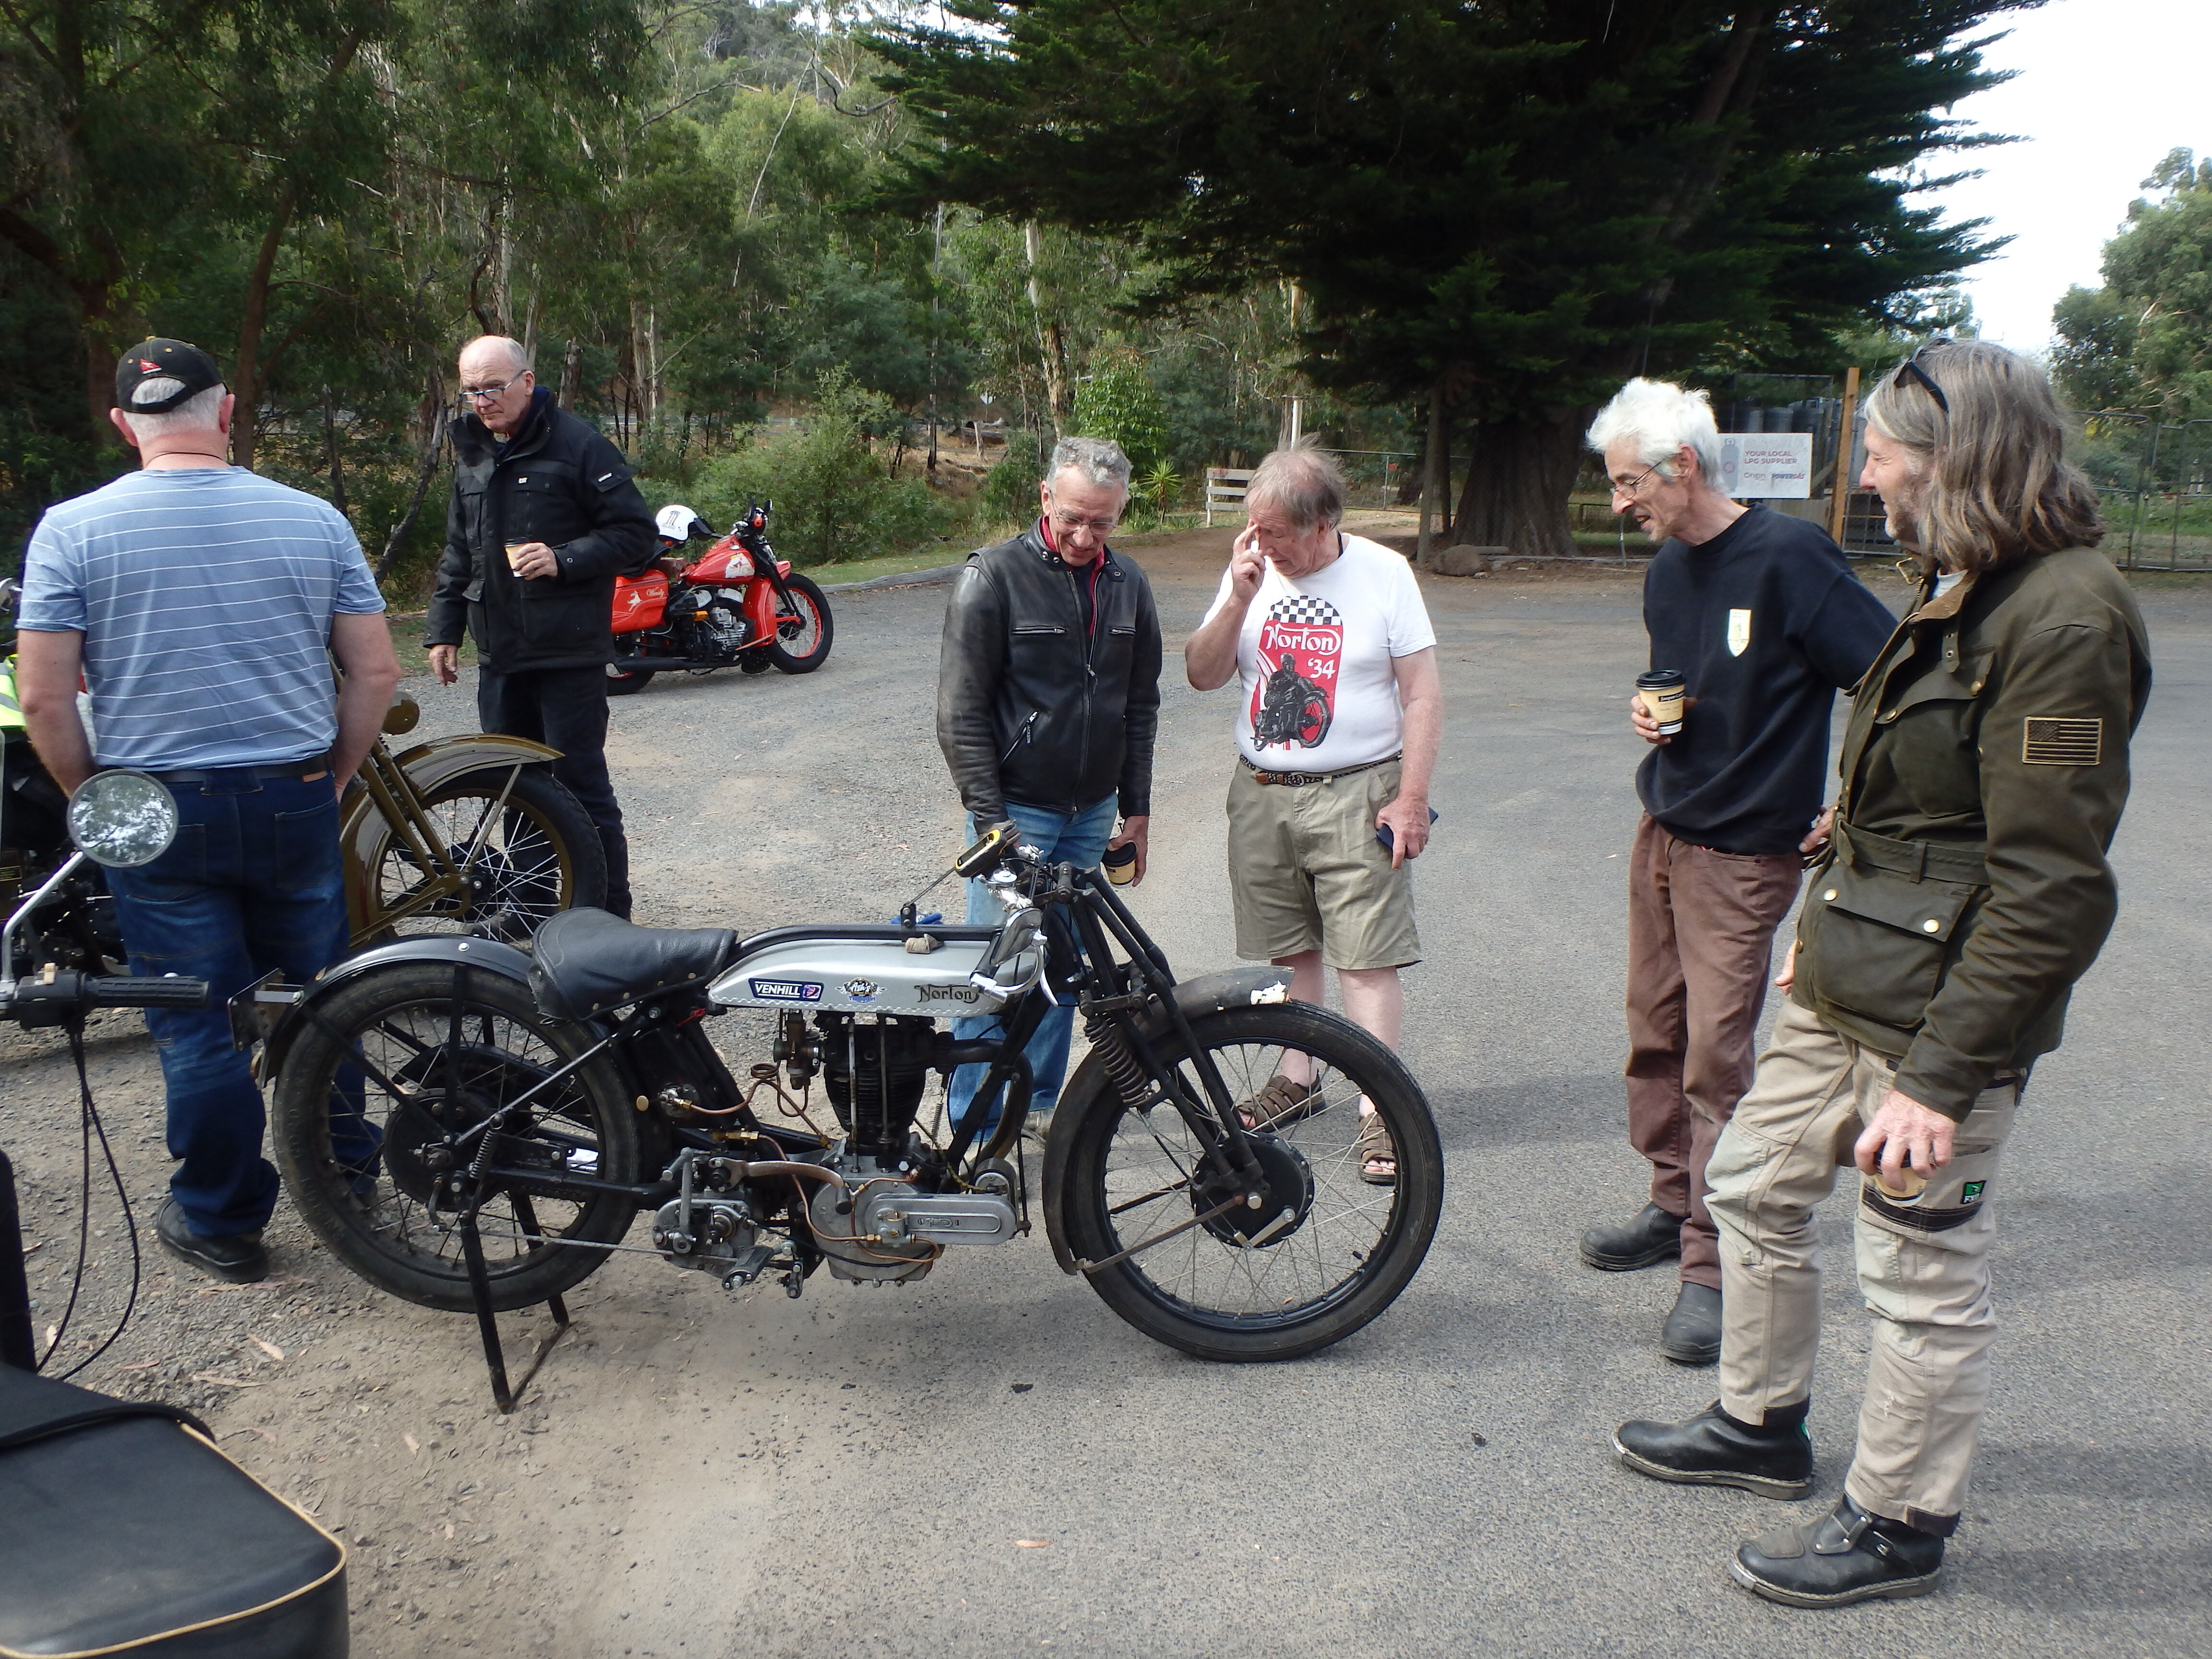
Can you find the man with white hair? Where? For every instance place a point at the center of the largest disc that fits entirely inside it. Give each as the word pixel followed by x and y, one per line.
pixel 1760 614
pixel 1337 734
pixel 1047 702
pixel 200 602
pixel 544 517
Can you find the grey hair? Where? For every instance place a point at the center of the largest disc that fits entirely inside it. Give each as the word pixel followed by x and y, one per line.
pixel 1098 460
pixel 200 412
pixel 1990 471
pixel 1661 419
pixel 1303 481
pixel 518 355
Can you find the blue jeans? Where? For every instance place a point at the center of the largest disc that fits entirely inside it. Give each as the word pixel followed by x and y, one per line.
pixel 1076 838
pixel 254 881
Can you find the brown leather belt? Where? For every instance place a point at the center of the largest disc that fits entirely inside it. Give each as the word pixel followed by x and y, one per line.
pixel 1299 779
pixel 307 771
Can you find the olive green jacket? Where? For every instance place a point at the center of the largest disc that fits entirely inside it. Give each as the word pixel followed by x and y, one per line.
pixel 1984 770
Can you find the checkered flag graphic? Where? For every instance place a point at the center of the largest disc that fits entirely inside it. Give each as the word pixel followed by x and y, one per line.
pixel 1305 610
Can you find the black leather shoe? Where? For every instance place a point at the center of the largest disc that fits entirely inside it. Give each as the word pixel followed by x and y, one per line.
pixel 237 1257
pixel 1713 1449
pixel 1845 1556
pixel 1654 1235
pixel 1692 1334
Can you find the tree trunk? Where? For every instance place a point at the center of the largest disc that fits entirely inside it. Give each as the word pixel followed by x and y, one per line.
pixel 1051 345
pixel 432 413
pixel 1518 479
pixel 249 373
pixel 572 373
pixel 330 453
pixel 1433 479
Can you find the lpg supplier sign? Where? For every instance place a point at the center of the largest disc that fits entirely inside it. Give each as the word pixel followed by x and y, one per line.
pixel 1767 465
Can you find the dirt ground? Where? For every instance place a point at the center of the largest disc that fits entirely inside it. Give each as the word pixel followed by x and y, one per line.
pixel 667 1457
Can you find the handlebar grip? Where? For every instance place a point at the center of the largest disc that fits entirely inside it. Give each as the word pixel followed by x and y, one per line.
pixel 168 991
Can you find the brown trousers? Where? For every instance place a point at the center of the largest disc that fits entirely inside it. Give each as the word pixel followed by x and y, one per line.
pixel 1700 943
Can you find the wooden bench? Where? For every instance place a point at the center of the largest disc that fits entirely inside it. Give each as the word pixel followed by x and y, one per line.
pixel 1225 489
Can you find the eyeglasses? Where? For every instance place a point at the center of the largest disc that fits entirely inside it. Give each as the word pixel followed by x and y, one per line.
pixel 1068 527
pixel 1911 366
pixel 1634 485
pixel 478 393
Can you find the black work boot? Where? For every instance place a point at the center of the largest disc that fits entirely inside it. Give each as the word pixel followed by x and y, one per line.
pixel 237 1257
pixel 1692 1334
pixel 1845 1556
pixel 1713 1449
pixel 1653 1236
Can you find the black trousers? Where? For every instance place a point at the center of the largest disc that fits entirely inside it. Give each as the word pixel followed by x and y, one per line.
pixel 566 708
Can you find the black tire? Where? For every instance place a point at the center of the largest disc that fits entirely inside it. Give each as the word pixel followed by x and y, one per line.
pixel 399 1019
pixel 621 681
pixel 803 628
pixel 1354 1246
pixel 540 853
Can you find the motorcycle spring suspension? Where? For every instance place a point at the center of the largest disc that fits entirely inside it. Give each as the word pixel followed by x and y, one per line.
pixel 1128 1078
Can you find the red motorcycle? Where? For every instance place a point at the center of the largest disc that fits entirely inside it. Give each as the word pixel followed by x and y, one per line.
pixel 736 605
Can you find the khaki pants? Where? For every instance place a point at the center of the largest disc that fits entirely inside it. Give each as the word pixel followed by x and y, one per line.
pixel 1700 945
pixel 1922 1268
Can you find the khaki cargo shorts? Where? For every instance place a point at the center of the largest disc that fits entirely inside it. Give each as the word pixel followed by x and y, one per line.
pixel 1305 872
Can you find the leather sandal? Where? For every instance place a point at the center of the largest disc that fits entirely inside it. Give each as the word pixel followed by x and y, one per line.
pixel 1281 1103
pixel 1374 1148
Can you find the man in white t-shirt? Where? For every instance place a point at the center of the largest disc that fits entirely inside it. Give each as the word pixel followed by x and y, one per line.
pixel 1337 733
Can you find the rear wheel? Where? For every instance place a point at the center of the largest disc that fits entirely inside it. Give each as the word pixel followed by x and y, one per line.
pixel 524 846
pixel 381 1100
pixel 803 628
pixel 1340 1249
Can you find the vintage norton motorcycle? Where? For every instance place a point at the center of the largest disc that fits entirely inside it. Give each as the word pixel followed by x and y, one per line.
pixel 526 1108
pixel 737 604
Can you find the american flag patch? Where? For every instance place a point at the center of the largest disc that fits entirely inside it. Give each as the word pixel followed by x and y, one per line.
pixel 2054 742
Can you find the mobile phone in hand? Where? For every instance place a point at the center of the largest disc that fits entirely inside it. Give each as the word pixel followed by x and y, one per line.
pixel 1390 841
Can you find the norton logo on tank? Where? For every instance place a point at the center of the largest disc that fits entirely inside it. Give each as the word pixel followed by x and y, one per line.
pixel 1300 643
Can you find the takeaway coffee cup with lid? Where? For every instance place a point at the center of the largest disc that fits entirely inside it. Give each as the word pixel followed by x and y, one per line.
pixel 1121 864
pixel 1661 690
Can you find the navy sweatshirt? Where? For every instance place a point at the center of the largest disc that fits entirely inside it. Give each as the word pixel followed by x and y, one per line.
pixel 1768 624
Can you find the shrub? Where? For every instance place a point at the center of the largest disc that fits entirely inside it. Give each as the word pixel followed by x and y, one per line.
pixel 1010 492
pixel 1118 402
pixel 834 499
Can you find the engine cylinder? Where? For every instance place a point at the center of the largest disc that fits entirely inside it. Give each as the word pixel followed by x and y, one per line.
pixel 875 1071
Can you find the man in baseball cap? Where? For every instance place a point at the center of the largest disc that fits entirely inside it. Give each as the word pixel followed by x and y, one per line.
pixel 230 706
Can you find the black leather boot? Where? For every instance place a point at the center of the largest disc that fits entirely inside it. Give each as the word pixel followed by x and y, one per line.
pixel 1653 1236
pixel 1845 1556
pixel 1713 1449
pixel 1692 1334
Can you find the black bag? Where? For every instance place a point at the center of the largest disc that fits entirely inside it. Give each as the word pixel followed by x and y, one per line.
pixel 124 1530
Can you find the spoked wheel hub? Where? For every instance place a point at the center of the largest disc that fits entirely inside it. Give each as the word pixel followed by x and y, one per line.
pixel 1286 1199
pixel 418 1146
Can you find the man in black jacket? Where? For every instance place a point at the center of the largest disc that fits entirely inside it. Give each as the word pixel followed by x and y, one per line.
pixel 1049 699
pixel 544 518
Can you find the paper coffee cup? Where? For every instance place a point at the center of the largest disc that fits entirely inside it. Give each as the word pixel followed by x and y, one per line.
pixel 513 549
pixel 1121 864
pixel 1662 690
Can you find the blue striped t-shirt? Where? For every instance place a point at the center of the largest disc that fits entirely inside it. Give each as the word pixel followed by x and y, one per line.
pixel 205 596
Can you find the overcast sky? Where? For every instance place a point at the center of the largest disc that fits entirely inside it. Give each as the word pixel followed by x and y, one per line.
pixel 2104 88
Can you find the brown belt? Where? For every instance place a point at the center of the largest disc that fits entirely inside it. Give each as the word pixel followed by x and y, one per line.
pixel 1299 779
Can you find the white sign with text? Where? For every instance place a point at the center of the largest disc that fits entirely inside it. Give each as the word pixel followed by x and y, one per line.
pixel 1767 465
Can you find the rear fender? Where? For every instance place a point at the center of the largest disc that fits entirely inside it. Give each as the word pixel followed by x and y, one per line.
pixel 428 766
pixel 1209 993
pixel 490 955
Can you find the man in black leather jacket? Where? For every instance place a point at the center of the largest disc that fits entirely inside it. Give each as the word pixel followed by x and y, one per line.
pixel 1048 700
pixel 544 517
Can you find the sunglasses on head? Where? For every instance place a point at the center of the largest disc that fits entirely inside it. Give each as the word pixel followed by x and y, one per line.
pixel 1911 366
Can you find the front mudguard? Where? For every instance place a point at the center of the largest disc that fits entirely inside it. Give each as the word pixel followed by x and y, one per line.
pixel 278 1034
pixel 1209 993
pixel 428 766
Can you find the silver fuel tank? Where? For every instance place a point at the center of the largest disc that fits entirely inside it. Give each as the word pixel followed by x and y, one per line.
pixel 881 975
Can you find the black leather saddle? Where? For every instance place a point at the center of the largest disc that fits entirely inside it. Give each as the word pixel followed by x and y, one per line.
pixel 585 961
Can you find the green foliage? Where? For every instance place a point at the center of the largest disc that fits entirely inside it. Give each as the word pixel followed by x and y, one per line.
pixel 1521 203
pixel 1161 488
pixel 2143 341
pixel 1009 492
pixel 834 498
pixel 1118 402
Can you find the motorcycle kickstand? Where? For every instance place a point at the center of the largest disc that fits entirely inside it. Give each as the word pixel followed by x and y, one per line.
pixel 480 1293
